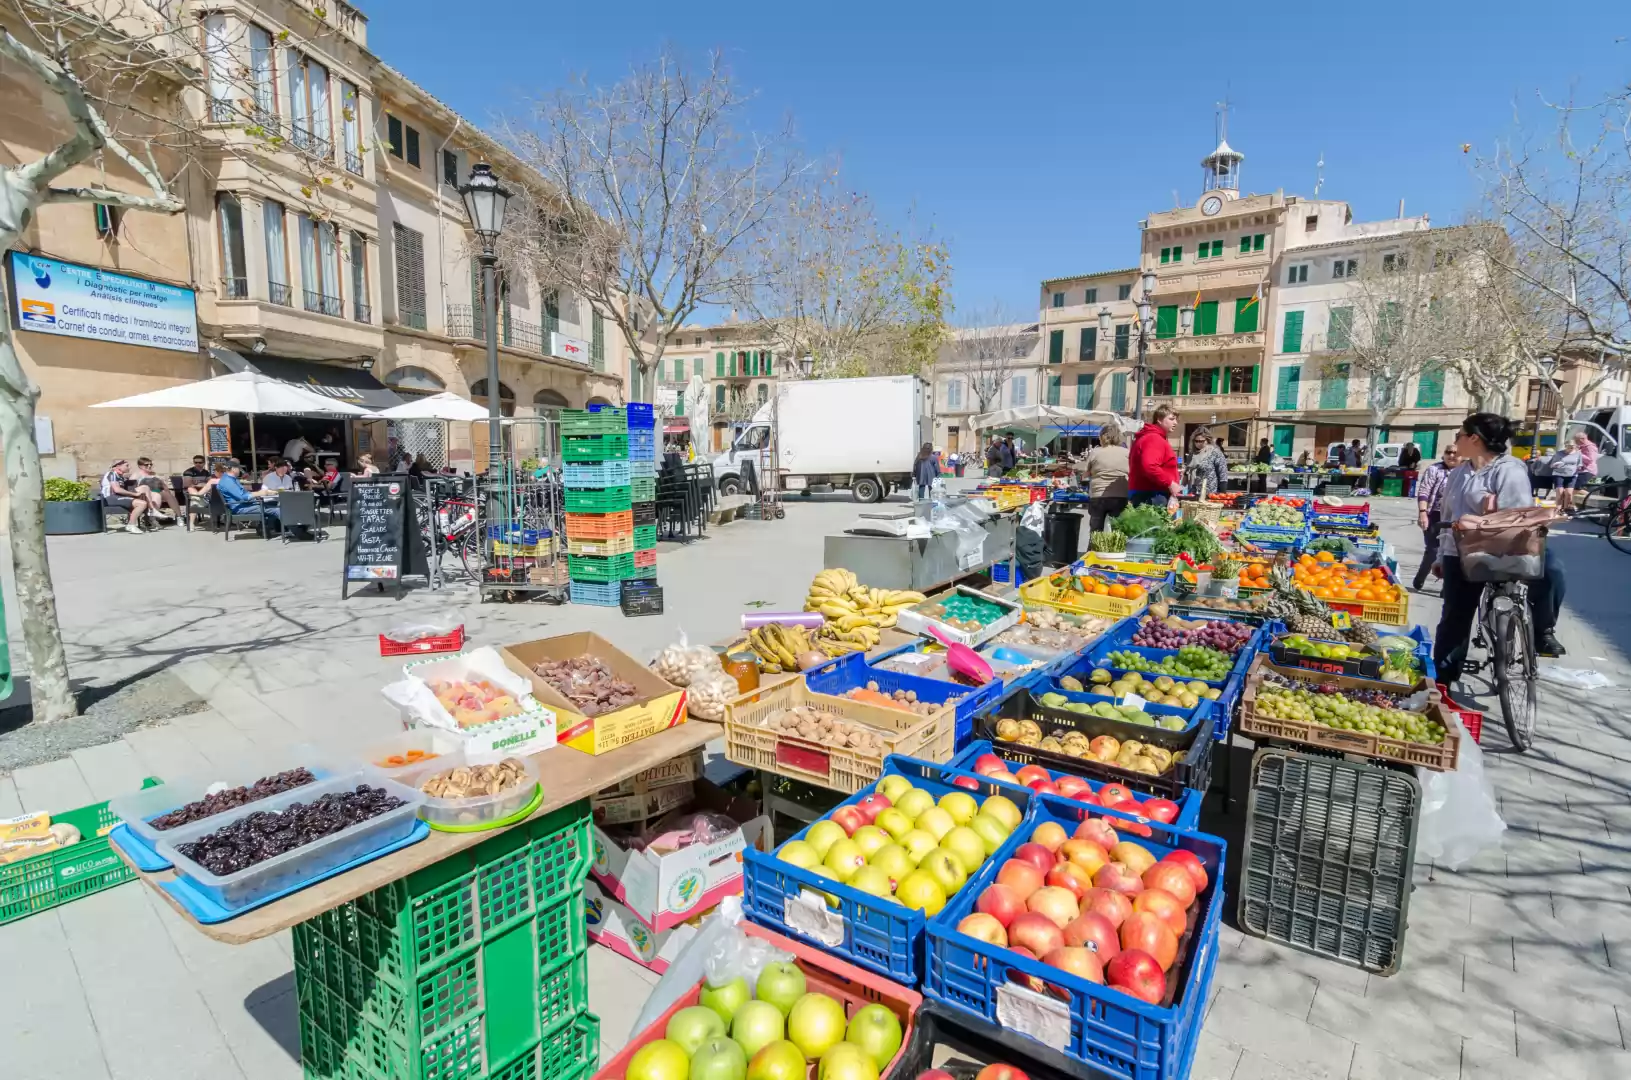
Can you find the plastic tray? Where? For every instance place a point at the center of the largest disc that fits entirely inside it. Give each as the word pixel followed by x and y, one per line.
pixel 961 1046
pixel 642 444
pixel 618 545
pixel 1471 719
pixel 601 420
pixel 645 536
pixel 643 469
pixel 1366 666
pixel 303 864
pixel 1189 807
pixel 643 488
pixel 138 808
pixel 602 501
pixel 452 642
pixel 849 672
pixel 1328 857
pixel 599 526
pixel 875 932
pixel 1040 592
pixel 597 593
pixel 597 474
pixel 1102 1028
pixel 1196 720
pixel 483 811
pixel 1096 656
pixel 644 558
pixel 640 598
pixel 444 744
pixel 595 447
pixel 911 620
pixel 600 568
pixel 640 415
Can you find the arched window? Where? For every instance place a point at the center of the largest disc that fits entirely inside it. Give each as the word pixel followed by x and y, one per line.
pixel 549 399
pixel 414 380
pixel 506 396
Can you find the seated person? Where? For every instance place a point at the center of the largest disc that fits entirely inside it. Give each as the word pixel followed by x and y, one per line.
pixel 158 485
pixel 123 493
pixel 366 466
pixel 331 473
pixel 281 478
pixel 197 479
pixel 239 500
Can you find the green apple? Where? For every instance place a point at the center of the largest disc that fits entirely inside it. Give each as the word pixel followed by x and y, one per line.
pixel 843 859
pixel 960 805
pixel 659 1060
pixel 921 891
pixel 847 1061
pixel 782 984
pixel 946 868
pixel 936 822
pixel 1003 809
pixel 875 1029
pixel 893 786
pixel 692 1027
pixel 815 1024
pixel 869 838
pixel 726 999
pixel 893 861
pixel 800 854
pixel 918 843
pixel 966 845
pixel 893 822
pixel 720 1059
pixel 757 1025
pixel 870 879
pixel 779 1061
pixel 914 802
pixel 823 835
pixel 990 831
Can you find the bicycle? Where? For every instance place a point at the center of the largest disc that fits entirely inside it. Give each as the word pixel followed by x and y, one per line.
pixel 1505 629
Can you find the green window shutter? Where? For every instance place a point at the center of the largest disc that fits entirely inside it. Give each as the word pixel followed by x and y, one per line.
pixel 1217 249
pixel 1178 253
pixel 679 405
pixel 770 362
pixel 1118 392
pixel 1088 349
pixel 1292 340
pixel 1430 390
pixel 1428 441
pixel 679 369
pixel 1288 387
pixel 1053 389
pixel 1084 391
pixel 1257 242
pixel 719 397
pixel 1246 315
pixel 1254 379
pixel 696 367
pixel 1184 386
pixel 1341 333
pixel 1166 255
pixel 1334 388
pixel 1388 322
pixel 719 365
pixel 1206 317
pixel 1166 321
pixel 1217 373
pixel 1245 244
pixel 1056 346
pixel 1284 435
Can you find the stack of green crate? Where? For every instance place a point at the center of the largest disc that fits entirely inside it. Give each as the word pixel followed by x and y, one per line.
pixel 475 968
pixel 595 448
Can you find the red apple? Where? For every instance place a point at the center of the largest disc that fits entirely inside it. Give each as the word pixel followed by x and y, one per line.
pixel 1037 932
pixel 1043 787
pixel 1134 823
pixel 1191 862
pixel 1015 975
pixel 1099 831
pixel 850 818
pixel 1038 855
pixel 1136 972
pixel 1164 906
pixel 1171 878
pixel 1004 777
pixel 984 928
pixel 1135 857
pixel 1082 963
pixel 1115 794
pixel 1023 877
pixel 1002 903
pixel 1058 904
pixel 1109 903
pixel 999 1072
pixel 1147 932
pixel 1117 878
pixel 986 764
pixel 1094 931
pixel 1163 810
pixel 1071 786
pixel 1029 773
pixel 872 805
pixel 1086 854
pixel 966 782
pixel 1068 875
pixel 1088 796
pixel 1050 834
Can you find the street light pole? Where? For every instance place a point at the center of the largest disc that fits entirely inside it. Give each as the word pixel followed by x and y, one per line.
pixel 484 200
pixel 1146 326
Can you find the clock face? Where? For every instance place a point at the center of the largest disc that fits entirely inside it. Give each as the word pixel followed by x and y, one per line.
pixel 1212 205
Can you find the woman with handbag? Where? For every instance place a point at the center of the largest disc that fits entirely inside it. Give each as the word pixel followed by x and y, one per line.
pixel 1488 479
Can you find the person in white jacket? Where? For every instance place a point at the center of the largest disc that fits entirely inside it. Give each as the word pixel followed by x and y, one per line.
pixel 1565 465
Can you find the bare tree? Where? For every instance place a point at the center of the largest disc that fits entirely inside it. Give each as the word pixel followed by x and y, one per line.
pixel 120 72
pixel 657 193
pixel 987 350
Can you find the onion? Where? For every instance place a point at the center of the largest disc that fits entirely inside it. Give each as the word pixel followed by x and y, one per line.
pixel 810 659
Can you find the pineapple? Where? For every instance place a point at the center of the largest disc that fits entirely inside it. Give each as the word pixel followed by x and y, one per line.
pixel 1301 611
pixel 1361 633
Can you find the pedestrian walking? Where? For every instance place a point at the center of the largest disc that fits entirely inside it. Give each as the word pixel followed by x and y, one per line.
pixel 1105 473
pixel 1564 465
pixel 1208 468
pixel 925 471
pixel 1429 509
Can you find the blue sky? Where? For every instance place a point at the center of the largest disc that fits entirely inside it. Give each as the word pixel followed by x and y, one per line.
pixel 1035 136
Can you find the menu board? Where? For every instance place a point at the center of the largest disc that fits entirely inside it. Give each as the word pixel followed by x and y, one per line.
pixel 382 542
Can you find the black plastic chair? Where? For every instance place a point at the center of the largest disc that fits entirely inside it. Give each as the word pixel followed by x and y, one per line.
pixel 219 511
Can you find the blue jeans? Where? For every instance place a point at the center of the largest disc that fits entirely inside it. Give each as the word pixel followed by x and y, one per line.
pixel 1147 498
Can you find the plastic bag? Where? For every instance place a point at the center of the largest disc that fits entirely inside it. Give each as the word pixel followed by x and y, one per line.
pixel 681 662
pixel 709 693
pixel 719 953
pixel 1458 811
pixel 407 633
pixel 1575 678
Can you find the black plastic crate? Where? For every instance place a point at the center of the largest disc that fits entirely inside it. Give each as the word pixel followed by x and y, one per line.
pixel 1192 770
pixel 970 1045
pixel 642 598
pixel 1329 850
pixel 645 513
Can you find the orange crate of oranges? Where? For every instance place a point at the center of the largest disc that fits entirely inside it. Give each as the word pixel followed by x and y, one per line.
pixel 1368 592
pixel 1090 594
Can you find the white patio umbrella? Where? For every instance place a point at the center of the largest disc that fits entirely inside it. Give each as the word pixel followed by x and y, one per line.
pixel 443 406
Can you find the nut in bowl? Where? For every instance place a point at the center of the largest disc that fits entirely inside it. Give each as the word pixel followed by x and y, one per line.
pixel 469 791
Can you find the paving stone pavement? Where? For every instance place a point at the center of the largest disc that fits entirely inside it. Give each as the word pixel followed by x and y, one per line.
pixel 1515 965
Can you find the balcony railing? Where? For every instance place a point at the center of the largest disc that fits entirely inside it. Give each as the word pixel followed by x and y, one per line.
pixel 353 162
pixel 221 111
pixel 1206 401
pixel 323 304
pixel 279 293
pixel 361 312
pixel 303 138
pixel 1187 343
pixel 467 321
pixel 234 288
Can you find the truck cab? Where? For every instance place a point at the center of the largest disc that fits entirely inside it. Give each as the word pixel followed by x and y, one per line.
pixel 745 447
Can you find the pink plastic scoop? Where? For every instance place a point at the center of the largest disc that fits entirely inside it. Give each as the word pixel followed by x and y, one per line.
pixel 964 660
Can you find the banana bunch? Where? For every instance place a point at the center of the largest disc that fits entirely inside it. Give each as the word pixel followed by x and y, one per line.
pixel 849 606
pixel 778 646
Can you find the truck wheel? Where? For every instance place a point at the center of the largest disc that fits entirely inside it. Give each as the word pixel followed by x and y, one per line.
pixel 866 489
pixel 730 485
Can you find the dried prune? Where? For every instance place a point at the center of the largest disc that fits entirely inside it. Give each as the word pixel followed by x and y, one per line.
pixel 232 798
pixel 588 683
pixel 267 834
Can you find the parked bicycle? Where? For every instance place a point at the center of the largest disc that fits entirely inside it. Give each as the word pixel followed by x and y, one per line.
pixel 1506 632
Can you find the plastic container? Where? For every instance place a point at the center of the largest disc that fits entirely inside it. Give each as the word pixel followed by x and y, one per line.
pixel 645 536
pixel 852 671
pixel 642 444
pixel 41 882
pixel 599 526
pixel 643 489
pixel 597 420
pixel 617 545
pixel 874 932
pixel 595 474
pixel 595 447
pixel 1041 591
pixel 958 1044
pixel 138 808
pixel 1189 806
pixel 641 598
pixel 410 641
pixel 1327 864
pixel 1196 720
pixel 303 863
pixel 1100 1027
pixel 644 513
pixel 443 745
pixel 600 568
pixel 1471 719
pixel 1368 665
pixel 597 593
pixel 483 811
pixel 598 501
pixel 643 469
pixel 640 415
pixel 645 558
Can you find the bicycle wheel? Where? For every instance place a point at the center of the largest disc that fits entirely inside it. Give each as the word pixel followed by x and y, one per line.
pixel 1617 526
pixel 1512 656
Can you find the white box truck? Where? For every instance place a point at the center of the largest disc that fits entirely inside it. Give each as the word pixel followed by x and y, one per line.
pixel 859 434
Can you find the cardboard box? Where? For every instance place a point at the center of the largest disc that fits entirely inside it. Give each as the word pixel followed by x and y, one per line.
pixel 914 620
pixel 680 770
pixel 642 805
pixel 613 925
pixel 664 891
pixel 661 705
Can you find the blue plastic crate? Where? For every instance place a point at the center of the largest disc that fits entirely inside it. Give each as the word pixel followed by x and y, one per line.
pixel 598 474
pixel 511 534
pixel 642 444
pixel 641 415
pixel 597 593
pixel 875 932
pixel 850 672
pixel 1110 1032
pixel 643 469
pixel 1195 720
pixel 1120 636
pixel 1189 804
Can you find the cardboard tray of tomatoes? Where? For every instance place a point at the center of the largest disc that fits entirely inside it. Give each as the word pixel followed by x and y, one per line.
pixel 1192 770
pixel 978 756
pixel 852 987
pixel 1102 1027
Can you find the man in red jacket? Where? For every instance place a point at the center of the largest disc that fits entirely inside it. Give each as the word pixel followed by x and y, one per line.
pixel 1152 468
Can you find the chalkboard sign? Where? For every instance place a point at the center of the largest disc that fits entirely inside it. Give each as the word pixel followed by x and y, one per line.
pixel 220 440
pixel 382 541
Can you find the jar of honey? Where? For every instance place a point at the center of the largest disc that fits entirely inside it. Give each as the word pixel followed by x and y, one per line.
pixel 744 668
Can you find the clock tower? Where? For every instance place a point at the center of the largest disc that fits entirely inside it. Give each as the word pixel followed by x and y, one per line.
pixel 1220 178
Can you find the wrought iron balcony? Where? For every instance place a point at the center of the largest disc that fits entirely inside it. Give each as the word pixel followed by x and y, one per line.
pixel 468 321
pixel 353 162
pixel 279 293
pixel 323 304
pixel 234 288
pixel 361 312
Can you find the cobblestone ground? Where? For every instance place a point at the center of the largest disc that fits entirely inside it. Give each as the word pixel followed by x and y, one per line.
pixel 1517 965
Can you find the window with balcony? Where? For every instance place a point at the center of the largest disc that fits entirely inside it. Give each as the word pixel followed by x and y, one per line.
pixel 1206 318
pixel 1246 309
pixel 1056 346
pixel 218 61
pixel 1124 336
pixel 1054 383
pixel 1166 321
pixel 1016 390
pixel 552 312
pixel 1297 275
pixel 1091 296
pixel 1201 381
pixel 597 343
pixel 1242 380
pixel 1084 391
pixel 277 253
pixel 1344 268
pixel 1118 392
pixel 1162 383
pixel 1088 347
pixel 320 266
pixel 361 310
pixel 1124 292
pixel 408 246
pixel 263 78
pixel 1058 299
pixel 1340 334
pixel 230 222
pixel 311 127
pixel 351 127
pixel 1287 388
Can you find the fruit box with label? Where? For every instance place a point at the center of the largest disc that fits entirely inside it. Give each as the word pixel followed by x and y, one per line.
pixel 664 890
pixel 964 1047
pixel 660 705
pixel 1108 1029
pixel 619 929
pixel 853 989
pixel 529 730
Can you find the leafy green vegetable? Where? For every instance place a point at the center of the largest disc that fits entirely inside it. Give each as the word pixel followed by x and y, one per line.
pixel 1137 521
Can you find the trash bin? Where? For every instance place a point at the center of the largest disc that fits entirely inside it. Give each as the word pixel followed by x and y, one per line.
pixel 1061 536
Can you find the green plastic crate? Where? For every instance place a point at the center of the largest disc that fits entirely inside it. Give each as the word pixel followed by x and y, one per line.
pixel 643 573
pixel 470 969
pixel 598 501
pixel 600 567
pixel 643 488
pixel 645 536
pixel 602 422
pixel 1393 485
pixel 595 447
pixel 30 886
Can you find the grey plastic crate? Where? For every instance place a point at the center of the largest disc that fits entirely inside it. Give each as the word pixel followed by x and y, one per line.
pixel 1328 855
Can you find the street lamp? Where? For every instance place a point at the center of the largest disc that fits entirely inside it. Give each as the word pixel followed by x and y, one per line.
pixel 484 200
pixel 1146 329
pixel 1186 318
pixel 806 366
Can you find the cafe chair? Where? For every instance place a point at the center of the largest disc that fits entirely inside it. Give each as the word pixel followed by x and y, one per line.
pixel 230 519
pixel 297 512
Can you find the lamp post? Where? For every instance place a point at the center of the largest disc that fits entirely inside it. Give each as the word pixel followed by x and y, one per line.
pixel 484 200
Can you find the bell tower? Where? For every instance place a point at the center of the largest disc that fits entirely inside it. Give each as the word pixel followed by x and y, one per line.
pixel 1221 168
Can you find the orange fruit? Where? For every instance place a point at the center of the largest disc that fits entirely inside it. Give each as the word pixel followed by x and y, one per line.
pixel 1101 589
pixel 1134 592
pixel 1118 591
pixel 1366 594
pixel 1325 556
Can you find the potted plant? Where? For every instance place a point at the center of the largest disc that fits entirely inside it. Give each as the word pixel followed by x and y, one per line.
pixel 1224 580
pixel 1108 543
pixel 69 508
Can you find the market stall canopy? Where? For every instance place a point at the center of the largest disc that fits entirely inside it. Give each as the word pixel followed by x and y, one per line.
pixel 241 392
pixel 1043 417
pixel 443 406
pixel 343 382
